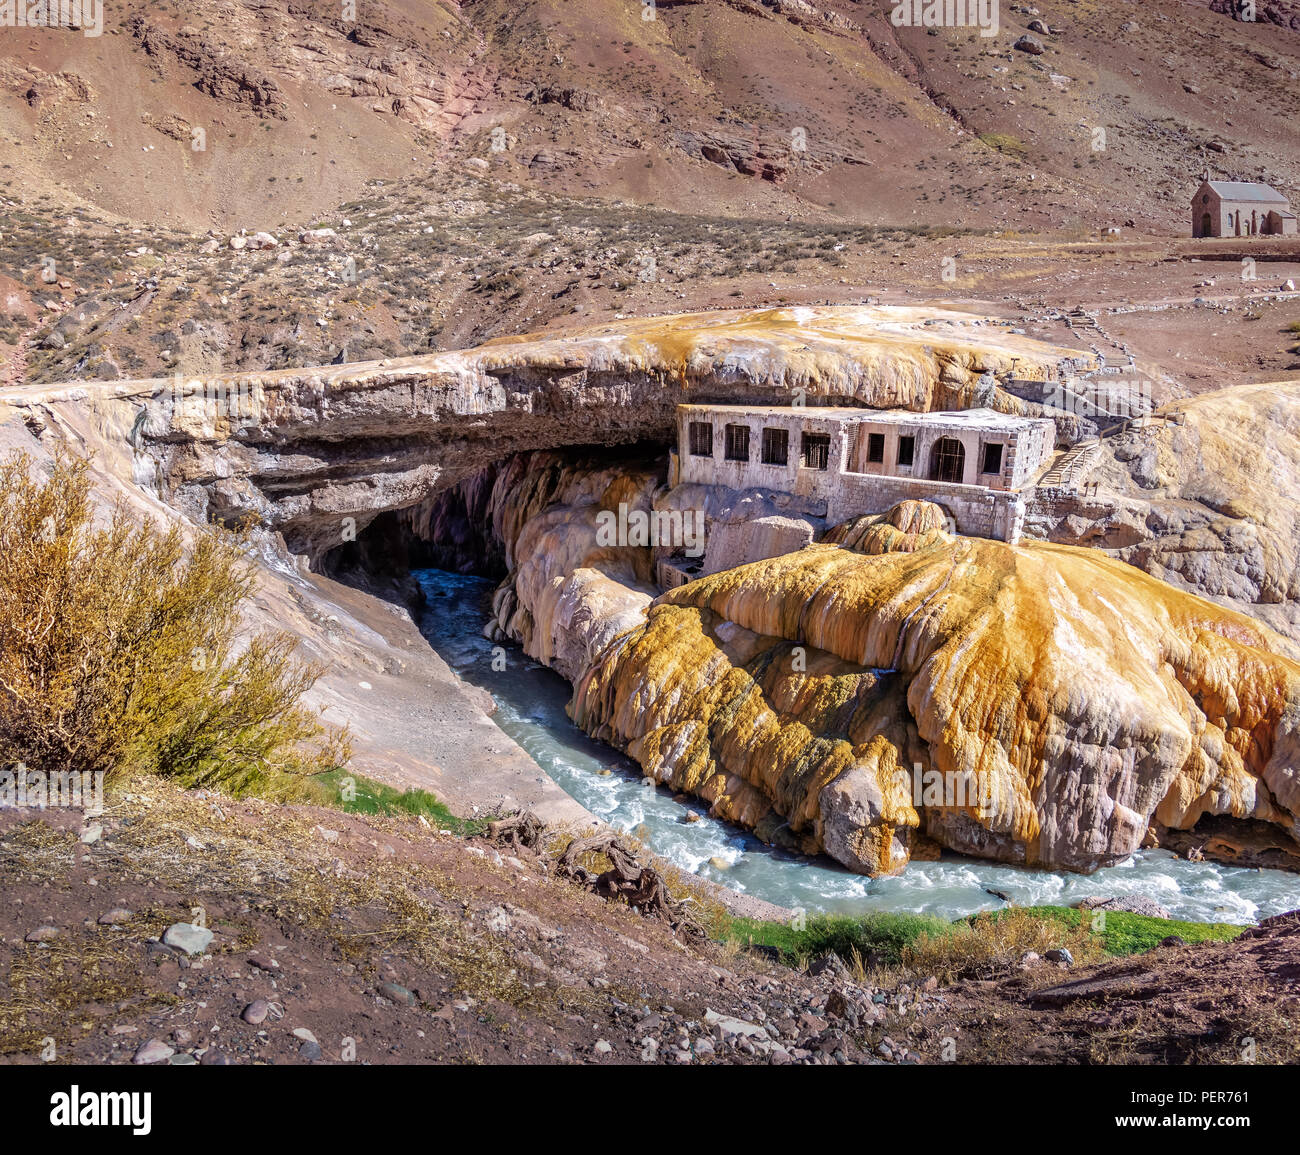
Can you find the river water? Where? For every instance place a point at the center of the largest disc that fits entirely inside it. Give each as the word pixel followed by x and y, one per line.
pixel 531 702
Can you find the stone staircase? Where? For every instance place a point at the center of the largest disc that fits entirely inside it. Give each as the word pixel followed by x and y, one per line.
pixel 1071 467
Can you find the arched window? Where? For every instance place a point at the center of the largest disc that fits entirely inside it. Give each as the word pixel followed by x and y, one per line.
pixel 947 460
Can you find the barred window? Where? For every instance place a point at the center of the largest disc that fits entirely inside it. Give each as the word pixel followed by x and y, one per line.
pixel 776 447
pixel 701 439
pixel 815 450
pixel 737 442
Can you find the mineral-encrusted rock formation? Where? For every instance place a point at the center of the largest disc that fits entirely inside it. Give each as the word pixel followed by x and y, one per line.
pixel 1035 704
pixel 1206 497
pixel 1077 703
pixel 316 454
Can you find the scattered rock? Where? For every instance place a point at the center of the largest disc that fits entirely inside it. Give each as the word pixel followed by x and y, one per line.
pixel 829 963
pixel 256 1011
pixel 726 1025
pixel 42 934
pixel 1030 44
pixel 397 993
pixel 1131 903
pixel 187 937
pixel 154 1051
pixel 602 1047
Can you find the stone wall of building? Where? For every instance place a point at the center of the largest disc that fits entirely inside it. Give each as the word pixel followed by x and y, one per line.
pixel 981 504
pixel 975 510
pixel 816 484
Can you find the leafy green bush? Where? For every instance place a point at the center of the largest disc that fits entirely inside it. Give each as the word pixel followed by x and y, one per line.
pixel 120 649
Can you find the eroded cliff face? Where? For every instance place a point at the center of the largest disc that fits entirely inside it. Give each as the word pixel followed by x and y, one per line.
pixel 896 686
pixel 1208 501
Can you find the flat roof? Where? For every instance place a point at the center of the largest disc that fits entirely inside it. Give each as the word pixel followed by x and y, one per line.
pixel 951 419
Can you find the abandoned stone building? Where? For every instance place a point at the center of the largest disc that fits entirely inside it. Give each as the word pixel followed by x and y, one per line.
pixel 1232 208
pixel 847 462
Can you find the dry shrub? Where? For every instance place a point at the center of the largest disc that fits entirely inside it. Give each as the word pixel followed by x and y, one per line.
pixel 993 943
pixel 120 651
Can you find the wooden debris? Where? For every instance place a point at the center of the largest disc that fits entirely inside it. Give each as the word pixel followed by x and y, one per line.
pixel 522 829
pixel 628 878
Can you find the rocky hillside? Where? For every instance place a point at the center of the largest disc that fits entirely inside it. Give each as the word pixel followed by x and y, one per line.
pixel 238 186
pixel 344 938
pixel 747 106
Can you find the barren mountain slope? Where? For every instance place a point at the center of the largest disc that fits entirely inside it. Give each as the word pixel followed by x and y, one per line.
pixel 730 104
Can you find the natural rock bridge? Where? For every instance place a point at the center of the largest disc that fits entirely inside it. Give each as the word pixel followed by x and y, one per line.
pixel 305 449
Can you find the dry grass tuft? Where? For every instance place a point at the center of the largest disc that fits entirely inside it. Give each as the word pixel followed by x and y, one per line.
pixel 993 943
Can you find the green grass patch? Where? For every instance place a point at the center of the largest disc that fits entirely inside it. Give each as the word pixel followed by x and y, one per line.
pixel 1005 143
pixel 357 794
pixel 884 938
pixel 1123 933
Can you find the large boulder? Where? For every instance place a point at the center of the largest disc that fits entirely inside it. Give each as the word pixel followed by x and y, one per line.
pixel 1130 903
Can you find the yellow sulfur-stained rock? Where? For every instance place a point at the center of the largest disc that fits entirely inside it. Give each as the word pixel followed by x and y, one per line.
pixel 1061 699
